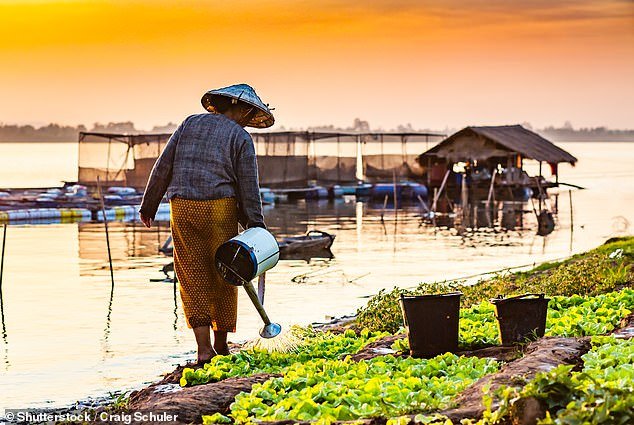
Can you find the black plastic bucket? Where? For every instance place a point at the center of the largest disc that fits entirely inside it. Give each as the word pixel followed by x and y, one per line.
pixel 431 322
pixel 521 318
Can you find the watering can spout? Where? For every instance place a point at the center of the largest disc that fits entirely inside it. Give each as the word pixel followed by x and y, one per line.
pixel 271 330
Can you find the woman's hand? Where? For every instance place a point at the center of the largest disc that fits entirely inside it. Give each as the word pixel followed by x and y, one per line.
pixel 147 221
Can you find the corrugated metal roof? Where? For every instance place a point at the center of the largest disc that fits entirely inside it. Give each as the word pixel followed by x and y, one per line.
pixel 513 138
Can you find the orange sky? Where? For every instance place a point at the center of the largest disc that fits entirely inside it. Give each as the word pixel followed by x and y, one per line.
pixel 431 63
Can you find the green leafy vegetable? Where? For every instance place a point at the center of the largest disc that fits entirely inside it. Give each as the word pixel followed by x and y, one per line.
pixel 323 345
pixel 331 390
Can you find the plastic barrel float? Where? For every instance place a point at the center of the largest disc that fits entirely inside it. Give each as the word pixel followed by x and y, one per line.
pixel 245 257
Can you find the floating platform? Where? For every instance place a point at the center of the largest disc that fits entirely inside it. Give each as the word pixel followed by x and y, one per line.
pixel 30 214
pixel 308 193
pixel 404 190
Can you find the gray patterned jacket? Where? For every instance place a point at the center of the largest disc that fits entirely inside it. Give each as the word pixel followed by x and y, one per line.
pixel 209 156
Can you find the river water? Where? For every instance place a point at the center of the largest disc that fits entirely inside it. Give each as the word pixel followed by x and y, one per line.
pixel 67 335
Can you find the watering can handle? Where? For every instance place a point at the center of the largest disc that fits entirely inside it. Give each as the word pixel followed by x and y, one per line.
pixel 261 285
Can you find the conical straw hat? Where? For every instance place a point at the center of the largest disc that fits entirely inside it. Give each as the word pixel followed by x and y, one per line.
pixel 244 93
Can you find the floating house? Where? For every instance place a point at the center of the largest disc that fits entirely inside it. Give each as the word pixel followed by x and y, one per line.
pixel 491 160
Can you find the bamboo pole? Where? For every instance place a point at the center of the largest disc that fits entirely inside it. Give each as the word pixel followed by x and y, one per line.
pixel 437 195
pixel 105 222
pixel 491 187
pixel 4 243
pixel 384 206
pixel 465 198
pixel 572 229
pixel 571 211
pixel 395 199
pixel 422 203
pixel 540 186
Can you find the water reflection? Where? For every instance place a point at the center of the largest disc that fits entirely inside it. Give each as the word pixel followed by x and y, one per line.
pixel 175 307
pixel 106 331
pixel 5 343
pixel 129 239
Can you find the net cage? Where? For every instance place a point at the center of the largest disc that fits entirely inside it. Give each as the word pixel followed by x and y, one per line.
pixel 118 159
pixel 285 159
pixel 385 156
pixel 293 159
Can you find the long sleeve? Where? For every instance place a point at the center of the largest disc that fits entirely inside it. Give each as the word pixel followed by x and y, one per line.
pixel 248 187
pixel 160 176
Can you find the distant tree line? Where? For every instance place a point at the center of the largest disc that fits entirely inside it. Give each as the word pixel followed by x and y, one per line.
pixel 556 134
pixel 59 133
pixel 66 133
pixel 49 133
pixel 597 134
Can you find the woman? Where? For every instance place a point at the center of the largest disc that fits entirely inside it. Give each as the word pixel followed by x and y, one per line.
pixel 209 171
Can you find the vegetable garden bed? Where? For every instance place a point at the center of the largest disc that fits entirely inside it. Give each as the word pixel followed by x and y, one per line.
pixel 347 376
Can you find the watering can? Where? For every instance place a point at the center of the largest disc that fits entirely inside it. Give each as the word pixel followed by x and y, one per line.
pixel 245 257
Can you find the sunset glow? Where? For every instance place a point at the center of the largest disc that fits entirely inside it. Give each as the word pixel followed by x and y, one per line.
pixel 429 63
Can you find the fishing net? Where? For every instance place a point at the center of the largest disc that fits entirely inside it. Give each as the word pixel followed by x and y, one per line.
pixel 282 158
pixel 118 160
pixel 388 155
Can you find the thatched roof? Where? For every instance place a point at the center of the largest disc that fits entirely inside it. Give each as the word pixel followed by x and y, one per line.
pixel 498 141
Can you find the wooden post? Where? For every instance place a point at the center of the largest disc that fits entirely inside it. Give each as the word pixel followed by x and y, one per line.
pixel 338 160
pixel 465 197
pixel 571 212
pixel 395 199
pixel 490 199
pixel 4 242
pixel 509 168
pixel 491 188
pixel 359 174
pixel 437 194
pixel 384 206
pixel 539 186
pixel 428 173
pixel 557 183
pixel 382 153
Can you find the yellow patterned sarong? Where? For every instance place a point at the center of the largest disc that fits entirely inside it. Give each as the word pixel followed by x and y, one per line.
pixel 198 229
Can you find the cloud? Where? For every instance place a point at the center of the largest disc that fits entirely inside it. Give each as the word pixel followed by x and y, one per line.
pixel 556 10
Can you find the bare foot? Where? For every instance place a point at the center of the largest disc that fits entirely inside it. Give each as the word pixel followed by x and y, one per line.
pixel 204 357
pixel 222 350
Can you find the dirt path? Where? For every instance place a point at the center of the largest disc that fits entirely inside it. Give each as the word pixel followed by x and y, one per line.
pixel 540 356
pixel 189 403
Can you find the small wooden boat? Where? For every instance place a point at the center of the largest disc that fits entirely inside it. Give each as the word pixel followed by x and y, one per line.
pixel 167 248
pixel 315 240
